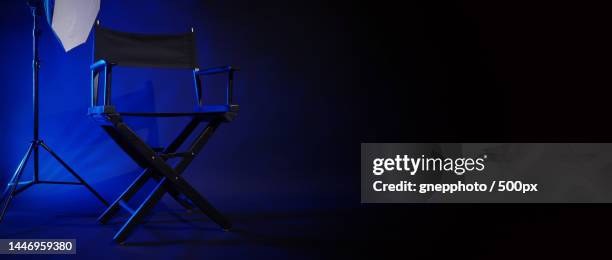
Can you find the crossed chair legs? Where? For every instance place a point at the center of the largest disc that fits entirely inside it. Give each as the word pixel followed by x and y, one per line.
pixel 157 168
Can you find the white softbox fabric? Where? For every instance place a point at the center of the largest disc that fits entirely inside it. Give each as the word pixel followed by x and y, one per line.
pixel 72 21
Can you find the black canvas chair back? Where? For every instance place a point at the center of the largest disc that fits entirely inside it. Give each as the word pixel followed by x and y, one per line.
pixel 113 48
pixel 142 50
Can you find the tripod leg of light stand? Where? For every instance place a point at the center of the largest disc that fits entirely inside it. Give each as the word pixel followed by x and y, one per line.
pixel 12 185
pixel 12 181
pixel 73 173
pixel 26 185
pixel 36 163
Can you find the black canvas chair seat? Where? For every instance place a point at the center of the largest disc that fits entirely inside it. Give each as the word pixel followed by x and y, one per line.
pixel 204 111
pixel 113 48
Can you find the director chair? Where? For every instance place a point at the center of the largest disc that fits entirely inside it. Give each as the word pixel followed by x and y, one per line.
pixel 113 48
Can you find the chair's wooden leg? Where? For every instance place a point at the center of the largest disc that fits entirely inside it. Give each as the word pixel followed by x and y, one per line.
pixel 132 190
pixel 156 195
pixel 172 147
pixel 203 204
pixel 183 186
pixel 134 220
pixel 158 165
pixel 125 196
pixel 147 173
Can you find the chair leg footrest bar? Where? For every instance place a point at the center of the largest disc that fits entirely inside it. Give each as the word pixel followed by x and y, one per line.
pixel 126 207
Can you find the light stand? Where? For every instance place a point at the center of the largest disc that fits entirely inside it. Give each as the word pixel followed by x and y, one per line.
pixel 36 7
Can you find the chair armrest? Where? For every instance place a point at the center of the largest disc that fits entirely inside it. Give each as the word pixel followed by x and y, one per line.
pixel 211 71
pixel 216 70
pixel 98 65
pixel 97 68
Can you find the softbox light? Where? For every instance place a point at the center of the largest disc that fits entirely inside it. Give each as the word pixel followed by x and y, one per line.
pixel 72 20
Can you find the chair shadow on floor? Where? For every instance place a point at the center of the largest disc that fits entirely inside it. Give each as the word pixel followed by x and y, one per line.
pixel 276 229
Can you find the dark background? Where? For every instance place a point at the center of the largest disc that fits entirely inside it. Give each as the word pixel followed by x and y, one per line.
pixel 318 79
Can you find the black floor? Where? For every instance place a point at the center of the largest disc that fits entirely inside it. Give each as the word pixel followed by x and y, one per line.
pixel 270 221
pixel 317 219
